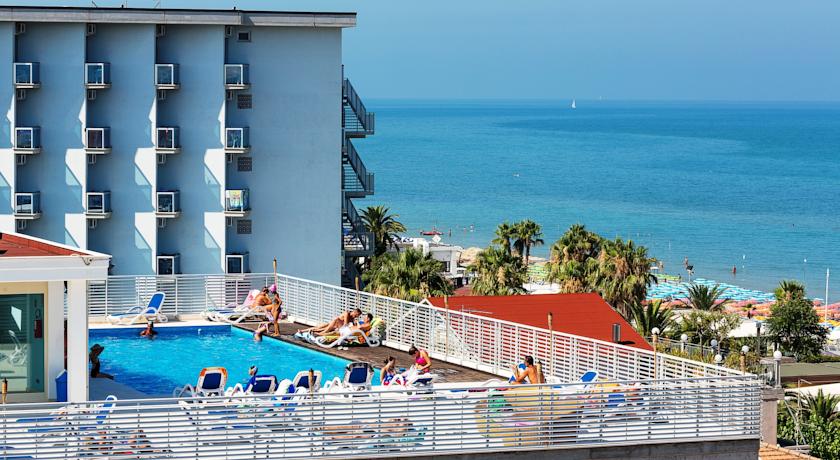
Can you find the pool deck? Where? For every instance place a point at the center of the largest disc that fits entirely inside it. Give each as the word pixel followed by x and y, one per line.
pixel 376 355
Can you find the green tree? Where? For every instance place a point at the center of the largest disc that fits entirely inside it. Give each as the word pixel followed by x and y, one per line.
pixel 384 225
pixel 706 298
pixel 505 233
pixel 528 234
pixel 795 327
pixel 822 405
pixel 790 289
pixel 645 317
pixel 702 325
pixel 622 274
pixel 498 273
pixel 572 259
pixel 409 275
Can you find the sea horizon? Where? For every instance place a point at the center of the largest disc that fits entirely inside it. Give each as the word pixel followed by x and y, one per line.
pixel 744 184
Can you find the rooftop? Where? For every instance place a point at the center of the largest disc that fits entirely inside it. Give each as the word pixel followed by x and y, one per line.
pixel 232 17
pixel 12 245
pixel 586 315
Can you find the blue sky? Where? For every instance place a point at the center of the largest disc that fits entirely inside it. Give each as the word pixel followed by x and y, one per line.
pixel 753 50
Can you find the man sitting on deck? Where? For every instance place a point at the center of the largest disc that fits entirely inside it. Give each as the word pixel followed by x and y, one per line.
pixel 529 373
pixel 344 319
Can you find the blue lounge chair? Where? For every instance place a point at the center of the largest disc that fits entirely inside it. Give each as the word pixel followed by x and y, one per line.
pixel 301 380
pixel 75 423
pixel 211 382
pixel 263 385
pixel 357 376
pixel 150 312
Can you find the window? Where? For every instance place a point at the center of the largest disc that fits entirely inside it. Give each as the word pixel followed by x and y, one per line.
pixel 27 203
pixel 244 164
pixel 97 138
pixel 97 73
pixel 98 202
pixel 236 200
pixel 236 263
pixel 235 138
pixel 243 226
pixel 243 36
pixel 27 138
pixel 22 341
pixel 168 202
pixel 168 264
pixel 236 74
pixel 167 138
pixel 26 73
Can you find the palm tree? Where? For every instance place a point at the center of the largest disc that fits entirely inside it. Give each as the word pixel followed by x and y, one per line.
pixel 789 290
pixel 384 226
pixel 646 317
pixel 706 298
pixel 410 275
pixel 528 233
pixel 498 273
pixel 572 259
pixel 505 232
pixel 622 274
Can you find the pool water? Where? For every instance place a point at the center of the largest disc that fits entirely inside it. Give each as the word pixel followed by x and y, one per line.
pixel 177 354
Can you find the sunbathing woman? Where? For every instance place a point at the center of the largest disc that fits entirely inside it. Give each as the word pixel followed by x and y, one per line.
pixel 422 361
pixel 337 323
pixel 529 373
pixel 389 371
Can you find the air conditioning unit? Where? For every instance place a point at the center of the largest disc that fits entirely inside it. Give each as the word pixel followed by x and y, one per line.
pixel 91 94
pixel 20 28
pixel 160 30
pixel 236 263
pixel 169 264
pixel 161 95
pixel 228 31
pixel 20 94
pixel 91 29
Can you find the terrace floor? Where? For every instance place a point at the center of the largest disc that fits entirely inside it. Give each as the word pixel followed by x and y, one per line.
pixel 375 356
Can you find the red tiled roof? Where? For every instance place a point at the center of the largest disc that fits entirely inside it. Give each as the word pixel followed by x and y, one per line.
pixel 21 246
pixel 586 315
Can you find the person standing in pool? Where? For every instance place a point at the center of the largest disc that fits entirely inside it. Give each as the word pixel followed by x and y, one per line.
pixel 150 331
pixel 95 364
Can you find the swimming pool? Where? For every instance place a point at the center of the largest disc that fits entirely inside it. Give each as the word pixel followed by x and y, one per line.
pixel 177 354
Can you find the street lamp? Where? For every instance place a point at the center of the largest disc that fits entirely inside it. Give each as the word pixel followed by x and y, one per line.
pixel 655 331
pixel 714 344
pixel 718 359
pixel 683 340
pixel 744 350
pixel 777 368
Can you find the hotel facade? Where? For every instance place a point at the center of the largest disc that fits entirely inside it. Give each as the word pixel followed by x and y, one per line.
pixel 184 141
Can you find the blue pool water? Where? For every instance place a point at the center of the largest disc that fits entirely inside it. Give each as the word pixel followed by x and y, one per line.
pixel 177 354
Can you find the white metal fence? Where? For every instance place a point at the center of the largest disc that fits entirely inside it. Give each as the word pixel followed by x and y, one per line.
pixel 387 424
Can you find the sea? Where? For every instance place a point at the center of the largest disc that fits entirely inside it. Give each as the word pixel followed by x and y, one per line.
pixel 749 186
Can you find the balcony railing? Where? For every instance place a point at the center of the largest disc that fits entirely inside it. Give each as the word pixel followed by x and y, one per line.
pixel 237 140
pixel 168 204
pixel 98 140
pixel 98 205
pixel 356 240
pixel 168 140
pixel 236 76
pixel 97 75
pixel 237 203
pixel 27 140
pixel 27 75
pixel 356 120
pixel 27 205
pixel 166 76
pixel 641 397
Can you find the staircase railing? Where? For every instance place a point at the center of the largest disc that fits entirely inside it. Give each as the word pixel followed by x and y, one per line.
pixel 365 178
pixel 364 122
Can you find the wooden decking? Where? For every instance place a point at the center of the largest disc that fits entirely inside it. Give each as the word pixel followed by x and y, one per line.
pixel 376 355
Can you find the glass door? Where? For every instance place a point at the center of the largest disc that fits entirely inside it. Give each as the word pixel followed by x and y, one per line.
pixel 22 342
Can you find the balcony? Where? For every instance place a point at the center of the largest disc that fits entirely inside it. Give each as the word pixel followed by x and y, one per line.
pixel 168 141
pixel 27 75
pixel 236 263
pixel 168 204
pixel 28 205
pixel 27 140
pixel 98 205
pixel 355 119
pixel 97 75
pixel 168 264
pixel 166 76
pixel 236 76
pixel 236 140
pixel 98 140
pixel 236 203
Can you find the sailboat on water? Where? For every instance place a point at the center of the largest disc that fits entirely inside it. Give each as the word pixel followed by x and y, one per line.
pixel 574 105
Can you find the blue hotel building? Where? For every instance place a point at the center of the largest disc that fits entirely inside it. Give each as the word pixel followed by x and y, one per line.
pixel 184 141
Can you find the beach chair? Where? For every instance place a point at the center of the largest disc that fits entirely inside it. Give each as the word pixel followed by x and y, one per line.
pixel 373 338
pixel 263 385
pixel 301 380
pixel 215 423
pixel 357 376
pixel 151 312
pixel 234 314
pixel 61 422
pixel 211 382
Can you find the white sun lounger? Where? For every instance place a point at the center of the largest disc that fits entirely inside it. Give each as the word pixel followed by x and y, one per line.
pixel 151 312
pixel 237 313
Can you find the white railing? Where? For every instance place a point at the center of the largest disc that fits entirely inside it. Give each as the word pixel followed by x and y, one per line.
pixel 473 341
pixel 387 424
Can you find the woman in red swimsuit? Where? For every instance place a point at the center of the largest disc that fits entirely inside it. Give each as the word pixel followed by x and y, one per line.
pixel 422 361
